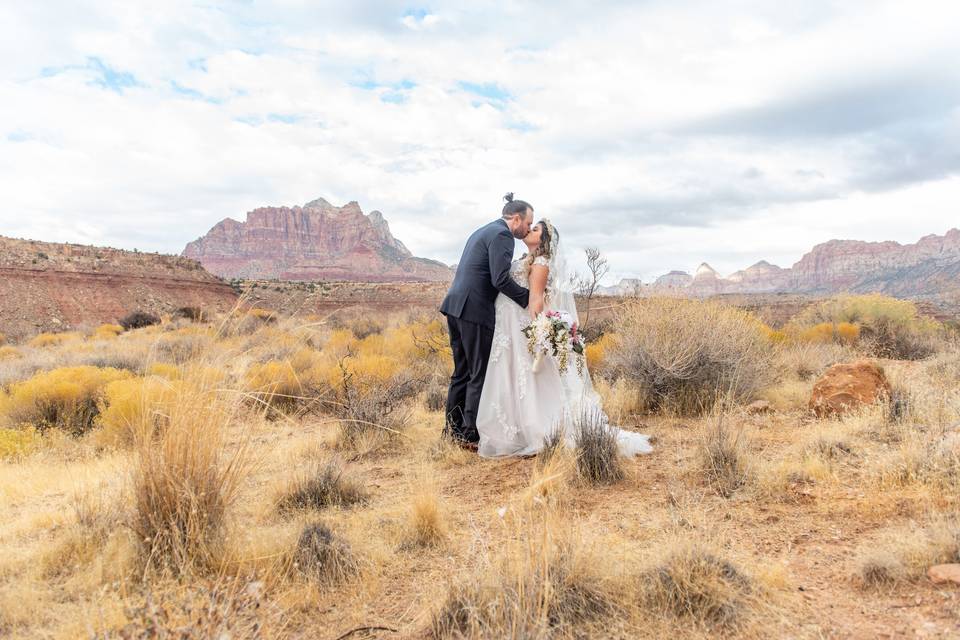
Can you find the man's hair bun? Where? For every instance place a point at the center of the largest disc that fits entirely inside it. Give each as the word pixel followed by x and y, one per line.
pixel 509 197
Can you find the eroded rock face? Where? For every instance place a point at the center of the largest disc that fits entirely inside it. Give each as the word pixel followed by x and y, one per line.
pixel 47 286
pixel 927 269
pixel 315 242
pixel 847 387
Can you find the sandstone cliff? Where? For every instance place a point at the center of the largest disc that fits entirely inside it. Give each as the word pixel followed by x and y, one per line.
pixel 925 270
pixel 45 286
pixel 315 242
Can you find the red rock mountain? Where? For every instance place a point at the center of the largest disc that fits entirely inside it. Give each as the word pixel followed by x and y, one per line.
pixel 317 241
pixel 47 286
pixel 928 269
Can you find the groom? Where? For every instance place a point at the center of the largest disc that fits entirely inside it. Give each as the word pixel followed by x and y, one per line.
pixel 483 272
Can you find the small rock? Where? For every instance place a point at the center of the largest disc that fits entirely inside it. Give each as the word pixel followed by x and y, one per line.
pixel 944 573
pixel 759 407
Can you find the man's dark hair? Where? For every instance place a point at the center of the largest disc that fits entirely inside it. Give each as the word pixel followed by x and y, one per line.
pixel 514 207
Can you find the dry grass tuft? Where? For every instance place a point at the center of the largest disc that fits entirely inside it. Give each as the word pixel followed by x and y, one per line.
pixel 598 459
pixel 426 525
pixel 325 485
pixel 322 556
pixel 185 478
pixel 903 554
pixel 693 582
pixel 722 456
pixel 548 587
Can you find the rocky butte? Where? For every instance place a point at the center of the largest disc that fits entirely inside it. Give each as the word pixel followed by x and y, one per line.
pixel 317 241
pixel 927 270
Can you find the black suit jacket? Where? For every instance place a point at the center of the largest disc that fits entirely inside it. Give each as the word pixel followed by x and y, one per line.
pixel 483 272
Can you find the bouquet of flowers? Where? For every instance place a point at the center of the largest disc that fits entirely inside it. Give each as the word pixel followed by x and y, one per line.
pixel 555 332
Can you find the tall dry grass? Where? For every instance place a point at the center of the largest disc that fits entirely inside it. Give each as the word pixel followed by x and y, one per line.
pixel 186 476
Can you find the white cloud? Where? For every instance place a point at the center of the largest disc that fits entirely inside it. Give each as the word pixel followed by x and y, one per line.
pixel 664 133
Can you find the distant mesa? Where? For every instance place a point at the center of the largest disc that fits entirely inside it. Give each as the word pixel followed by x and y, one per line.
pixel 317 241
pixel 926 270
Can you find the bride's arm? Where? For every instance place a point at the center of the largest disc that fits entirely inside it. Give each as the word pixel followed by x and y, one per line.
pixel 538 286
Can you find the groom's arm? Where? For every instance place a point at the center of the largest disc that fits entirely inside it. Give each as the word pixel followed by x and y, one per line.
pixel 500 255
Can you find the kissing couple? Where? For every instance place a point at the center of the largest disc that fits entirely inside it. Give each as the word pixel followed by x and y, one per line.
pixel 503 400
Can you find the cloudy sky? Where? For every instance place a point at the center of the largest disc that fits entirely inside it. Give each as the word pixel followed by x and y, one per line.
pixel 663 132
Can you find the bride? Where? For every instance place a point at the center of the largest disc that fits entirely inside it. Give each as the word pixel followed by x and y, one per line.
pixel 519 408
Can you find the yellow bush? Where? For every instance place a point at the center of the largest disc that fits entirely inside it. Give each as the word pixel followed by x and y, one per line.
pixel 134 407
pixel 3 338
pixel 67 397
pixel 164 370
pixel 821 333
pixel 108 331
pixel 776 336
pixel 596 351
pixel 885 326
pixel 9 353
pixel 53 339
pixel 848 333
pixel 18 442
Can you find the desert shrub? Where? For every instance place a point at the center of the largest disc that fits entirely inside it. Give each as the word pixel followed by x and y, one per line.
pixel 185 479
pixel 321 487
pixel 621 399
pixel 681 353
pixel 67 398
pixel 598 459
pixel 885 327
pixel 193 314
pixel 44 340
pixel 15 443
pixel 922 459
pixel 138 320
pixel 135 406
pixel 107 331
pixel 164 370
pixel 301 381
pixel 905 553
pixel 223 608
pixel 804 360
pixel 548 591
pixel 370 395
pixel 182 346
pixel 693 582
pixel 3 338
pixel 596 351
pixel 365 327
pixel 9 353
pixel 722 456
pixel 322 556
pixel 435 397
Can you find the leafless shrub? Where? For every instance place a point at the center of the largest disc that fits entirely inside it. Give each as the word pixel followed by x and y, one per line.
pixel 682 351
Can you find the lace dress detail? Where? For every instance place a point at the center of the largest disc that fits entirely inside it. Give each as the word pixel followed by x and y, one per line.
pixel 519 409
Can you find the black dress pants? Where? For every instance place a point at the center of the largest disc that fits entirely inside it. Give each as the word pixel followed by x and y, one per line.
pixel 471 344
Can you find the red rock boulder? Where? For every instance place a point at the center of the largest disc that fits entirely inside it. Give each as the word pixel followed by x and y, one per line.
pixel 847 387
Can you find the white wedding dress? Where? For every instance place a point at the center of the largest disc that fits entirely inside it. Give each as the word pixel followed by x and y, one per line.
pixel 519 409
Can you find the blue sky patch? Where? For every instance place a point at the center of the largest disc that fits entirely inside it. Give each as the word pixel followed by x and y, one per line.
pixel 493 94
